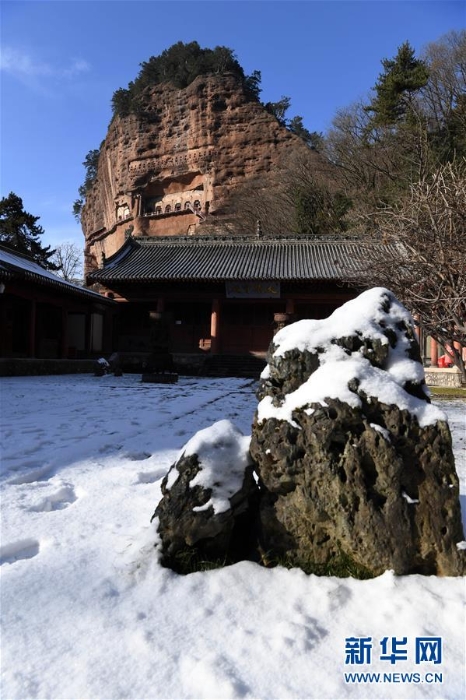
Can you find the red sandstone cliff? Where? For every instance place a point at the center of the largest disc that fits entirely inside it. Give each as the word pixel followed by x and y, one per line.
pixel 172 171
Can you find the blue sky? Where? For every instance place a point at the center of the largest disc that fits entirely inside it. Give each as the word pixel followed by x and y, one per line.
pixel 62 60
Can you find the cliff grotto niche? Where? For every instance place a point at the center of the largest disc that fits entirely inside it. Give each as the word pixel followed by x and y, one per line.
pixel 164 206
pixel 122 211
pixel 184 195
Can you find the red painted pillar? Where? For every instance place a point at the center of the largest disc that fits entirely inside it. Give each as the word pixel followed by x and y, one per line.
pixel 215 327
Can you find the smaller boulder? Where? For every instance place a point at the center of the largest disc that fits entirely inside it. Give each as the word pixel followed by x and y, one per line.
pixel 204 513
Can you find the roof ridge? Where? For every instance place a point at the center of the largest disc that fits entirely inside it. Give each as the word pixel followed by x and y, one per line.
pixel 210 239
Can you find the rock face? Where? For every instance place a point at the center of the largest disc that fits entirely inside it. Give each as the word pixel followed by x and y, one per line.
pixel 208 496
pixel 174 169
pixel 356 466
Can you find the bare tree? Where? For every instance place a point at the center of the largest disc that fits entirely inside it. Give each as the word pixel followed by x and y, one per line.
pixel 445 91
pixel 301 197
pixel 69 259
pixel 421 254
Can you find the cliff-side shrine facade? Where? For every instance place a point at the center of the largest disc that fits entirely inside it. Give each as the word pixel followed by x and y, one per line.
pixel 165 205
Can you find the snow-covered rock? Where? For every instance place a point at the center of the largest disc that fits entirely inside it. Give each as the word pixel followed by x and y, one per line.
pixel 204 511
pixel 355 463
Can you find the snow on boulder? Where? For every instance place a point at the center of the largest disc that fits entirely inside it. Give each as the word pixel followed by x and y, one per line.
pixel 355 464
pixel 204 511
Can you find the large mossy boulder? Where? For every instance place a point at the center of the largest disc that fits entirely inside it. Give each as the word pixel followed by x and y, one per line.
pixel 355 464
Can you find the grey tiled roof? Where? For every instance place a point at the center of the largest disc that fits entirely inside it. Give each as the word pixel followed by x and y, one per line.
pixel 15 266
pixel 234 258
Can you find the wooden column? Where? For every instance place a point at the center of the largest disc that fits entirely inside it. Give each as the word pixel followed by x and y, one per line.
pixel 32 330
pixel 88 334
pixel 215 327
pixel 64 334
pixel 290 306
pixel 433 353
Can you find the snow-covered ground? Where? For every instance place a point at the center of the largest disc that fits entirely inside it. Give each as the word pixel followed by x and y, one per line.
pixel 88 612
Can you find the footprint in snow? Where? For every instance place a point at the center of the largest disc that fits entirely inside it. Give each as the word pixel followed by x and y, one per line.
pixel 109 448
pixel 36 446
pixel 59 500
pixel 138 456
pixel 150 477
pixel 16 551
pixel 31 476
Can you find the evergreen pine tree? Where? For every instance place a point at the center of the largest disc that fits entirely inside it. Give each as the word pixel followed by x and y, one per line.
pixel 313 139
pixel 20 232
pixel 403 76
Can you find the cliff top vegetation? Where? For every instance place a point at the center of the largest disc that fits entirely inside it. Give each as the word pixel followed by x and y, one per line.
pixel 180 65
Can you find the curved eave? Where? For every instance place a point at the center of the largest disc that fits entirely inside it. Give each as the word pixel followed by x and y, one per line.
pixel 18 275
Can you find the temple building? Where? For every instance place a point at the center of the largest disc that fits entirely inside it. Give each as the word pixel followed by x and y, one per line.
pixel 43 316
pixel 223 295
